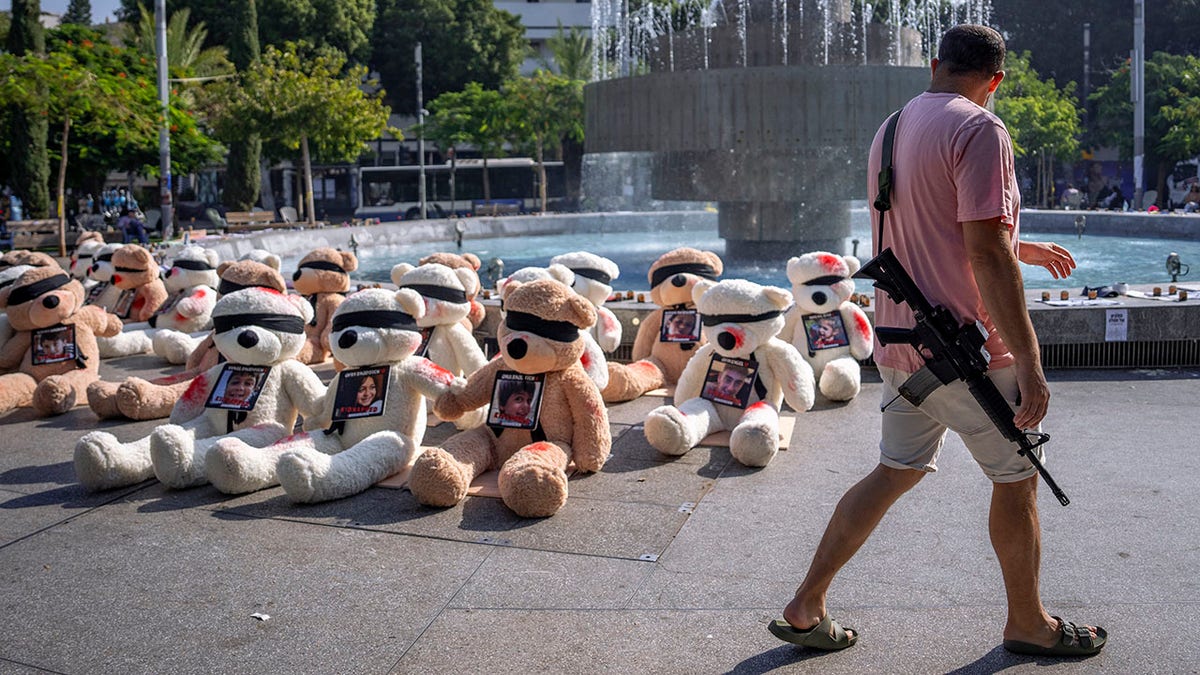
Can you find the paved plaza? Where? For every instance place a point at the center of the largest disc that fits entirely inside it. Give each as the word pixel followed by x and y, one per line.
pixel 655 565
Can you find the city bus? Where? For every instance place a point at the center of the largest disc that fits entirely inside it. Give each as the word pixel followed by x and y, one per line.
pixel 390 193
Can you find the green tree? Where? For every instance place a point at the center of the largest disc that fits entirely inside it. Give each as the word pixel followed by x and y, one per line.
pixel 243 166
pixel 462 41
pixel 78 12
pixel 1172 113
pixel 571 53
pixel 30 166
pixel 345 25
pixel 474 116
pixel 310 104
pixel 1043 120
pixel 187 57
pixel 544 109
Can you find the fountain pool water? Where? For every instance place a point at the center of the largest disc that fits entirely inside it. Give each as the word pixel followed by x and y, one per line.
pixel 1102 260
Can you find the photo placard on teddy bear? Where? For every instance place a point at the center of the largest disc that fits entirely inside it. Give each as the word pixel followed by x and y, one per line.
pixel 124 303
pixel 825 331
pixel 95 292
pixel 516 400
pixel 680 325
pixel 361 393
pixel 423 350
pixel 238 387
pixel 169 306
pixel 729 381
pixel 53 345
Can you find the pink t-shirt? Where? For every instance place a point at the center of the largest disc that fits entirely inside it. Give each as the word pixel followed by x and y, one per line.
pixel 953 163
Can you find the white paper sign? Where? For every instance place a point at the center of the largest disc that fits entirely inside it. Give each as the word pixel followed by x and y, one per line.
pixel 1116 325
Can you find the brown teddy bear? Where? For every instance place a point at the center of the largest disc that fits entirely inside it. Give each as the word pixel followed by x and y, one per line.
pixel 323 277
pixel 136 273
pixel 544 413
pixel 139 399
pixel 462 261
pixel 53 357
pixel 31 258
pixel 660 355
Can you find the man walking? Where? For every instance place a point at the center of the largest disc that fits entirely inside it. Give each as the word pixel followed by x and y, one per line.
pixel 954 226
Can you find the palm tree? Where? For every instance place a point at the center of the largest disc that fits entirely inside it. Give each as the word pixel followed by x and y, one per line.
pixel 572 52
pixel 186 55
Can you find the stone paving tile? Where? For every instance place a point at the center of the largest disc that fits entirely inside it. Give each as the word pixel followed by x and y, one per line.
pixel 175 591
pixel 602 528
pixel 632 480
pixel 522 579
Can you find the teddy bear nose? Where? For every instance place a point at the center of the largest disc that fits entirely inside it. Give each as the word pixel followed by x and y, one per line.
pixel 726 340
pixel 678 281
pixel 296 275
pixel 50 301
pixel 248 339
pixel 348 339
pixel 819 298
pixel 517 348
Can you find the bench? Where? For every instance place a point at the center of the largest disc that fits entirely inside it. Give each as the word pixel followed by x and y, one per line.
pixel 496 207
pixel 30 234
pixel 250 221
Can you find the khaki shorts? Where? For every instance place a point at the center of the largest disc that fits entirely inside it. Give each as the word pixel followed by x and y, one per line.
pixel 912 437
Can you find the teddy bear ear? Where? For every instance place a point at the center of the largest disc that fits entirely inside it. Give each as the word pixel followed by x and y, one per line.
pixel 273 261
pixel 212 256
pixel 701 288
pixel 349 261
pixel 473 260
pixel 778 297
pixel 411 302
pixel 715 261
pixel 507 285
pixel 793 269
pixel 398 271
pixel 584 313
pixel 222 267
pixel 469 280
pixel 853 263
pixel 306 310
pixel 562 273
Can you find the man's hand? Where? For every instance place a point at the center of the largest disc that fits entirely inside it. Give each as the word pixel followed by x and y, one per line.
pixel 1035 396
pixel 1047 254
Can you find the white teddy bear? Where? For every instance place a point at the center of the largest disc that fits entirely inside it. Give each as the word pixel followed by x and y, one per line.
pixel 86 248
pixel 593 280
pixel 9 276
pixel 103 292
pixel 372 420
pixel 176 345
pixel 594 363
pixel 191 283
pixel 737 380
pixel 828 330
pixel 255 397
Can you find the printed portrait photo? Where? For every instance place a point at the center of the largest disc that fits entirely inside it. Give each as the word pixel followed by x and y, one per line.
pixel 825 331
pixel 238 387
pixel 729 381
pixel 360 393
pixel 680 325
pixel 53 345
pixel 516 400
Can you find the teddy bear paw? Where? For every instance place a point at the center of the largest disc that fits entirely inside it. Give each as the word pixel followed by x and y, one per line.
pixel 534 490
pixel 841 380
pixel 437 479
pixel 103 463
pixel 236 468
pixel 102 399
pixel 667 430
pixel 303 474
pixel 754 444
pixel 54 396
pixel 173 346
pixel 173 453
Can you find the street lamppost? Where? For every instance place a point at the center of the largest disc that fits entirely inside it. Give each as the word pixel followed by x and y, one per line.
pixel 164 132
pixel 1137 80
pixel 420 135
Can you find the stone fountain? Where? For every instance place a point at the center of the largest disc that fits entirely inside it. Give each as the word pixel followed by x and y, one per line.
pixel 767 107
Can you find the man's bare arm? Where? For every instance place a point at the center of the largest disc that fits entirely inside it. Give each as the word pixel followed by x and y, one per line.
pixel 998 275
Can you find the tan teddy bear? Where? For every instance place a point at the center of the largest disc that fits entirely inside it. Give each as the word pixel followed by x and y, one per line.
pixel 136 273
pixel 30 258
pixel 139 399
pixel 659 356
pixel 544 414
pixel 323 278
pixel 52 357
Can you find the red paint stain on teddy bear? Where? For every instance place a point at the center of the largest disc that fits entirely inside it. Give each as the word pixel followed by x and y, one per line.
pixel 584 360
pixel 830 262
pixel 540 446
pixel 196 390
pixel 435 372
pixel 864 326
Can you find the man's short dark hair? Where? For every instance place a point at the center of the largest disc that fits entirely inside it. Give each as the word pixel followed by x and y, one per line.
pixel 971 49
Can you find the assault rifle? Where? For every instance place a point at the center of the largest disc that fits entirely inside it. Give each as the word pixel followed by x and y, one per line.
pixel 956 352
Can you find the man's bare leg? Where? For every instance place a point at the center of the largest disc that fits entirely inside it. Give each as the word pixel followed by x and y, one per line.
pixel 856 515
pixel 1017 539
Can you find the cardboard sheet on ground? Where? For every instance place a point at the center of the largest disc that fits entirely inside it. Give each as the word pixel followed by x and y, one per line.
pixel 665 392
pixel 484 485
